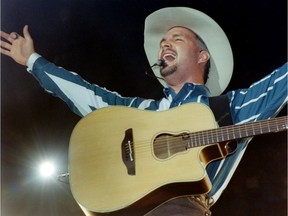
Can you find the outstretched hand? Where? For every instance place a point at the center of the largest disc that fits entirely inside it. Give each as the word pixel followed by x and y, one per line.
pixel 17 47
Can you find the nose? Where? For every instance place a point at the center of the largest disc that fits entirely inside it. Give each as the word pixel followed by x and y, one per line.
pixel 166 44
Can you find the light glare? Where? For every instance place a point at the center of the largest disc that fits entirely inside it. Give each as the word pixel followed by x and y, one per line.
pixel 47 169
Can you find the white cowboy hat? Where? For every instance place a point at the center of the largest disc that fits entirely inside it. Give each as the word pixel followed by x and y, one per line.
pixel 221 57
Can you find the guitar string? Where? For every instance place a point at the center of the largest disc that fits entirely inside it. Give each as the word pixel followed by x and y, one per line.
pixel 202 137
pixel 224 132
pixel 176 142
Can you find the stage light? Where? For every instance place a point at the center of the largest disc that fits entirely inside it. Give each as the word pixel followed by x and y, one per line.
pixel 47 169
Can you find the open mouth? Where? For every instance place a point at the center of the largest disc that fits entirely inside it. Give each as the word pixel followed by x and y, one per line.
pixel 168 57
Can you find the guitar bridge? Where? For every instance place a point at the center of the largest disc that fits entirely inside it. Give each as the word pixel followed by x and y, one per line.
pixel 127 148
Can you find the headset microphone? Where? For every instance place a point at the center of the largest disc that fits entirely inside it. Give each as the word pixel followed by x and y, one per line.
pixel 159 63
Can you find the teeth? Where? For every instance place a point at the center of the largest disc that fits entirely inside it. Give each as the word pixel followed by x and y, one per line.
pixel 169 55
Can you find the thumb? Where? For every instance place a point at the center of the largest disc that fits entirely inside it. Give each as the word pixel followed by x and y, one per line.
pixel 26 32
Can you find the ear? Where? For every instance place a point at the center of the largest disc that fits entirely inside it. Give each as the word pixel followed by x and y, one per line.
pixel 204 56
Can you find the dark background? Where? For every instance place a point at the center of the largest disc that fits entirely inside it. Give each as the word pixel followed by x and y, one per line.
pixel 103 41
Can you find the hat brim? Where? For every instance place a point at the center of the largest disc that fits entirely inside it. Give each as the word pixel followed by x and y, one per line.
pixel 221 57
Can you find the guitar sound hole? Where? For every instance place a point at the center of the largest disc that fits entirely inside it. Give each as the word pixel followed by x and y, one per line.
pixel 167 145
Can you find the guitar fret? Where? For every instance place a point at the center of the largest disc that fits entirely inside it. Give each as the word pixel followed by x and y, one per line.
pixel 253 130
pixel 234 133
pixel 246 131
pixel 261 131
pixel 269 130
pixel 195 141
pixel 204 138
pixel 227 131
pixel 266 127
pixel 222 135
pixel 195 144
pixel 210 138
pixel 200 139
pixel 277 127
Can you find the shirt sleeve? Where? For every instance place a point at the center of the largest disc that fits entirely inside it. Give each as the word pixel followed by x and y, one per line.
pixel 81 96
pixel 262 100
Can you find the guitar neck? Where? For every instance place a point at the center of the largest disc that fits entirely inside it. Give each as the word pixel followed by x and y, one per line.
pixel 234 132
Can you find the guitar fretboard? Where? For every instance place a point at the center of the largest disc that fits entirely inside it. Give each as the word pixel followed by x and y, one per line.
pixel 235 132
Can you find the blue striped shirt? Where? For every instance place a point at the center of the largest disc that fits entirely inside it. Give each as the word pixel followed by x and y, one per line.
pixel 262 100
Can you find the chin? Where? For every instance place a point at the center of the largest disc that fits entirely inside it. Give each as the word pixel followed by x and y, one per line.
pixel 168 70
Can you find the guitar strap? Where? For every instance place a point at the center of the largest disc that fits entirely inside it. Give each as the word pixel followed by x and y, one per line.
pixel 221 110
pixel 222 113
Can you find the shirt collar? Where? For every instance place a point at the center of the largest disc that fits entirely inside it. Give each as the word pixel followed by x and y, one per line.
pixel 197 89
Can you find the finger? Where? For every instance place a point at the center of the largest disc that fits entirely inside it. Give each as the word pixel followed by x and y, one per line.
pixel 5 52
pixel 13 36
pixel 5 45
pixel 6 36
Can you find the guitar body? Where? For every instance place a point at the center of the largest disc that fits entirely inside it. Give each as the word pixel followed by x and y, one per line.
pixel 102 182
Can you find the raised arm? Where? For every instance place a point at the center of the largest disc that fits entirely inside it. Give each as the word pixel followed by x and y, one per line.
pixel 17 47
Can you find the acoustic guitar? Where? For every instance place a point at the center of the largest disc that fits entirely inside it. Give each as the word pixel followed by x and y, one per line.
pixel 126 161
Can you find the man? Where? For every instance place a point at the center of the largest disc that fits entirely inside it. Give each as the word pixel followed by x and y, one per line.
pixel 191 44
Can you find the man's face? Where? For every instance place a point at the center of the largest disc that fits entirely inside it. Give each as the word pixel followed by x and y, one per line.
pixel 179 50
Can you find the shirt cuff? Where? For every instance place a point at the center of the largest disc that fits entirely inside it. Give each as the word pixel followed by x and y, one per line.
pixel 31 60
